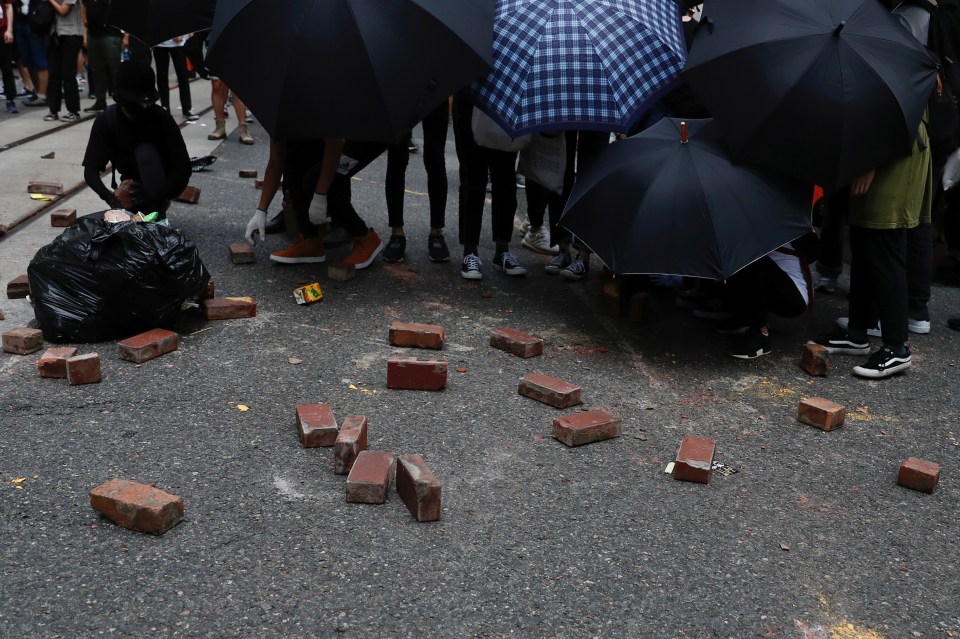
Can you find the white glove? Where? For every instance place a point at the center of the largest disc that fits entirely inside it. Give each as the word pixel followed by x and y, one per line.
pixel 318 209
pixel 257 223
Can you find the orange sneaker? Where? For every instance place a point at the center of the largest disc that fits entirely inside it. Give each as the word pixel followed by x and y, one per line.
pixel 304 250
pixel 365 250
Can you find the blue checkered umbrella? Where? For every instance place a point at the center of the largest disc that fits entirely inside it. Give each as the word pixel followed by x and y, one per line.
pixel 579 64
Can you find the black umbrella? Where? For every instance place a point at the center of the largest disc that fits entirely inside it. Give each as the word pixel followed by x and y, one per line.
pixel 654 203
pixel 357 69
pixel 824 90
pixel 155 21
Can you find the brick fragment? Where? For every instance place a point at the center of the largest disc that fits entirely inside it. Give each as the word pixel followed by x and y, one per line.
pixel 822 413
pixel 224 308
pixel 815 360
pixel 45 188
pixel 83 369
pixel 258 184
pixel 22 341
pixel 587 427
pixel 48 156
pixel 694 460
pixel 418 488
pixel 248 173
pixel 513 341
pixel 146 346
pixel 369 479
pixel 241 253
pixel 316 425
pixel 351 441
pixel 416 335
pixel 341 272
pixel 63 217
pixel 549 390
pixel 410 373
pixel 919 474
pixel 638 309
pixel 190 195
pixel 53 362
pixel 137 506
pixel 18 287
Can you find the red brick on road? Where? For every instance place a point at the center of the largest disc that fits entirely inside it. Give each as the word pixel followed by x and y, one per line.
pixel 22 340
pixel 248 173
pixel 822 413
pixel 137 506
pixel 586 427
pixel 418 488
pixel 919 474
pixel 316 425
pixel 190 195
pixel 350 442
pixel 416 335
pixel 18 287
pixel 513 341
pixel 53 362
pixel 241 253
pixel 224 308
pixel 694 460
pixel 145 346
pixel 549 390
pixel 83 369
pixel 63 217
pixel 815 360
pixel 410 373
pixel 369 479
pixel 45 188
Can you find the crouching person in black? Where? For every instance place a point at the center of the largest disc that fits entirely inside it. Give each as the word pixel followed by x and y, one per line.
pixel 142 142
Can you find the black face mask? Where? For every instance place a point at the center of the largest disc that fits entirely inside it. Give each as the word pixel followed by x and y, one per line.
pixel 133 110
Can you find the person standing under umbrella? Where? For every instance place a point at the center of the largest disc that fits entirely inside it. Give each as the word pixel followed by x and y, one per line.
pixel 103 50
pixel 165 52
pixel 65 43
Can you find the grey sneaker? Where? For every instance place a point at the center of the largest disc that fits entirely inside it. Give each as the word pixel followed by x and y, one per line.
pixel 470 268
pixel 539 241
pixel 558 263
pixel 437 248
pixel 576 270
pixel 508 264
pixel 395 249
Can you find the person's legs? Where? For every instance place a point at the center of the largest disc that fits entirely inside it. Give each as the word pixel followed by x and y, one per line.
pixel 161 58
pixel 179 59
pixel 398 157
pixel 862 305
pixel 218 98
pixel 57 66
pixel 434 162
pixel 919 276
pixel 241 110
pixel 99 70
pixel 6 70
pixel 70 48
pixel 366 241
pixel 830 257
pixel 473 176
pixel 503 183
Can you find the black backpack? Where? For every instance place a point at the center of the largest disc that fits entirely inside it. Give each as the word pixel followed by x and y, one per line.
pixel 40 17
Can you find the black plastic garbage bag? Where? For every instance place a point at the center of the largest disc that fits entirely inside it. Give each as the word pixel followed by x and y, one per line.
pixel 100 281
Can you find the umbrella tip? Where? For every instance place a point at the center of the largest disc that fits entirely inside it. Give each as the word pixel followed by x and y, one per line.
pixel 836 32
pixel 683 132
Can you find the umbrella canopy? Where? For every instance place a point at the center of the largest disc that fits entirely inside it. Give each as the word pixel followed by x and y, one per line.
pixel 655 204
pixel 579 64
pixel 357 69
pixel 155 21
pixel 824 90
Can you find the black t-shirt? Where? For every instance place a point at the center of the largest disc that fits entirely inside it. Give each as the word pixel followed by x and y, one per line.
pixel 97 19
pixel 114 138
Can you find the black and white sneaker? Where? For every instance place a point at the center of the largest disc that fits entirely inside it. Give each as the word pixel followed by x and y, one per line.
pixel 508 264
pixel 470 267
pixel 839 342
pixel 883 363
pixel 395 249
pixel 843 322
pixel 558 263
pixel 200 163
pixel 576 270
pixel 751 345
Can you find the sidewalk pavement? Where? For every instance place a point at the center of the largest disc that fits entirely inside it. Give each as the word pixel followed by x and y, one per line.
pixel 811 538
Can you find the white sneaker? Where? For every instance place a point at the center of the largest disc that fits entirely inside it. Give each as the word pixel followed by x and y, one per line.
pixel 920 327
pixel 872 332
pixel 539 241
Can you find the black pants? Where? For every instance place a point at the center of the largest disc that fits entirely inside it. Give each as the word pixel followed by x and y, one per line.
pixel 582 148
pixel 476 162
pixel 104 55
pixel 760 289
pixel 398 157
pixel 339 200
pixel 162 56
pixel 6 69
pixel 830 258
pixel 62 84
pixel 878 283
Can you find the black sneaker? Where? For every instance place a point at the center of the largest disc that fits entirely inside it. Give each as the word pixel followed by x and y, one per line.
pixel 200 163
pixel 839 342
pixel 576 270
pixel 508 264
pixel 883 363
pixel 470 267
pixel 437 248
pixel 954 323
pixel 557 264
pixel 412 147
pixel 395 248
pixel 752 345
pixel 71 117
